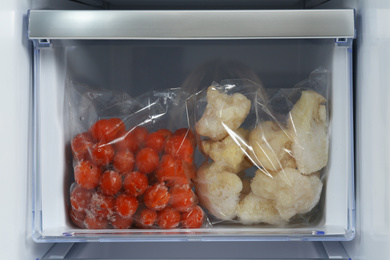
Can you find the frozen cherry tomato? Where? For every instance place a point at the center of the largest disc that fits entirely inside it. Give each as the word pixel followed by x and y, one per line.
pixel 155 141
pixel 80 198
pixel 147 160
pixel 187 133
pixel 193 218
pixel 81 145
pixel 182 198
pixel 126 141
pixel 110 183
pixel 140 134
pixel 156 197
pixel 164 132
pixel 102 205
pixel 93 221
pixel 135 183
pixel 119 222
pixel 145 218
pixel 124 161
pixel 77 217
pixel 87 174
pixel 168 218
pixel 106 130
pixel 171 171
pixel 126 205
pixel 180 147
pixel 102 154
pixel 189 170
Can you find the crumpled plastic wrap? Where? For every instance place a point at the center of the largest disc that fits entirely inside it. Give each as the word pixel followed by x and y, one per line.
pixel 265 156
pixel 133 160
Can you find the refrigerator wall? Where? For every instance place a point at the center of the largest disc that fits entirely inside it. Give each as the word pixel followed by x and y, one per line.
pixel 371 76
pixel 372 52
pixel 15 111
pixel 15 189
pixel 372 132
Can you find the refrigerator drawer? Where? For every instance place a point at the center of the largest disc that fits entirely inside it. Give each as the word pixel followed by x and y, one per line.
pixel 139 51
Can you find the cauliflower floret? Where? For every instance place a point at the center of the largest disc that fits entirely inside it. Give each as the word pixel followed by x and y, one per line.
pixel 270 147
pixel 229 152
pixel 246 184
pixel 223 112
pixel 293 192
pixel 255 209
pixel 308 126
pixel 218 190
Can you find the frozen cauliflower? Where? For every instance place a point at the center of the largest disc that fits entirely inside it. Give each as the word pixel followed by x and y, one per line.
pixel 246 184
pixel 218 190
pixel 293 192
pixel 222 114
pixel 270 146
pixel 254 209
pixel 229 152
pixel 308 125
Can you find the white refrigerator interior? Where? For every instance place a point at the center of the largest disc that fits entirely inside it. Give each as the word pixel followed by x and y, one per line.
pixel 15 109
pixel 371 55
pixel 371 127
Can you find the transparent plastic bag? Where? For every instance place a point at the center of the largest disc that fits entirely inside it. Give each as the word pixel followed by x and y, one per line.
pixel 265 156
pixel 133 160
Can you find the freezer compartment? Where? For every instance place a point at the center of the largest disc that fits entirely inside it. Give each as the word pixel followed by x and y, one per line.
pixel 136 66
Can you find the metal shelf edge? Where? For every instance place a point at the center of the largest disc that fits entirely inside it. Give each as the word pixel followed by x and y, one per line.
pixel 176 25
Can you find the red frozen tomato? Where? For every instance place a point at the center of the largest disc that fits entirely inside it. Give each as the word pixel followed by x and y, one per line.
pixel 102 205
pixel 189 170
pixel 102 154
pixel 77 217
pixel 180 147
pixel 168 218
pixel 93 221
pixel 124 161
pixel 106 130
pixel 81 146
pixel 186 133
pixel 140 134
pixel 80 198
pixel 193 218
pixel 126 141
pixel 147 160
pixel 110 183
pixel 119 222
pixel 155 141
pixel 171 171
pixel 87 174
pixel 156 197
pixel 145 218
pixel 135 183
pixel 164 132
pixel 182 198
pixel 126 205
